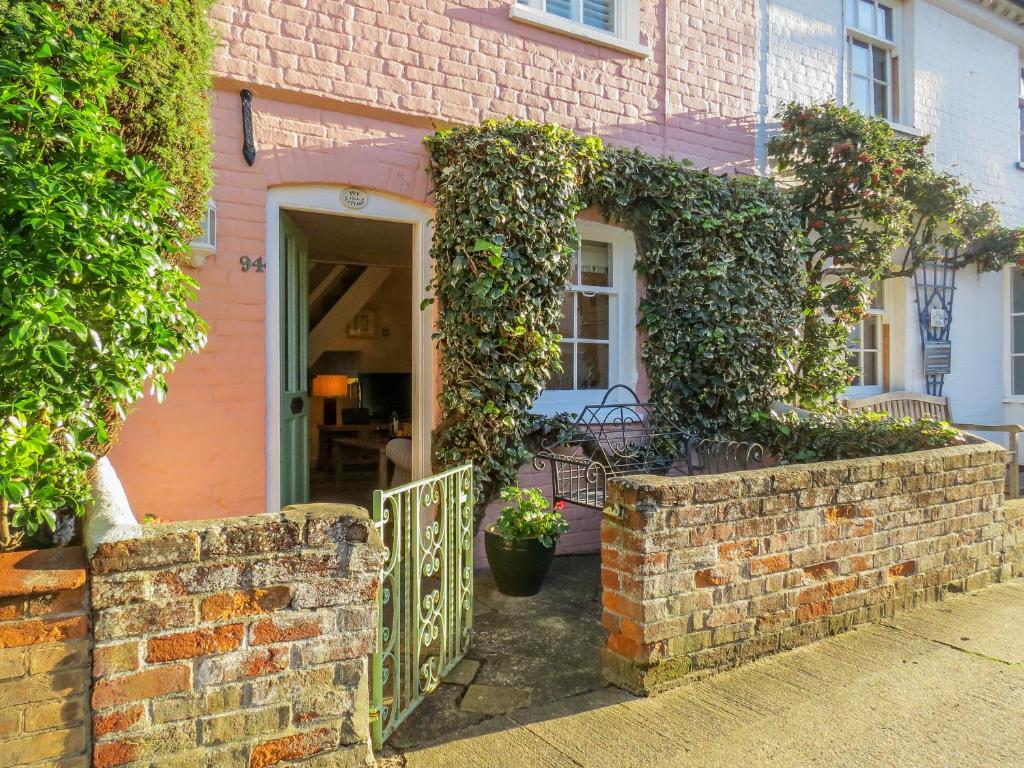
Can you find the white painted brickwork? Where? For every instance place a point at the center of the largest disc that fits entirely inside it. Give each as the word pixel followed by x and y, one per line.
pixel 963 93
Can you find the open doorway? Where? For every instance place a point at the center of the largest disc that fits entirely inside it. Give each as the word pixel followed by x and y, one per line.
pixel 346 346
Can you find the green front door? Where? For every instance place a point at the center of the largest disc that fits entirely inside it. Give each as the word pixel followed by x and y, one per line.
pixel 294 255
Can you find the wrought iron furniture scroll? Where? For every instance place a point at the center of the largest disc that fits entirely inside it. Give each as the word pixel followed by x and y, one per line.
pixel 425 612
pixel 622 436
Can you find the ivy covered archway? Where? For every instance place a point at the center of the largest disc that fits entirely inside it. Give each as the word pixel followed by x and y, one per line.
pixel 717 254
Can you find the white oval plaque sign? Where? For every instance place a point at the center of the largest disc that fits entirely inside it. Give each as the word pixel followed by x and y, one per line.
pixel 354 198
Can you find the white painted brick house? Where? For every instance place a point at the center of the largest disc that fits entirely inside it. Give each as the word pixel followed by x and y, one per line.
pixel 953 69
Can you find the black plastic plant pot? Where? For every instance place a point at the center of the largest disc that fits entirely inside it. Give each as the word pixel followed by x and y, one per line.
pixel 519 566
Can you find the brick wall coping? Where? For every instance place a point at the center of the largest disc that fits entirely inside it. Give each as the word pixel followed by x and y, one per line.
pixel 631 492
pixel 40 571
pixel 184 541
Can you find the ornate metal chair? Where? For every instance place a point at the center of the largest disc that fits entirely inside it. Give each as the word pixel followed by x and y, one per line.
pixel 621 436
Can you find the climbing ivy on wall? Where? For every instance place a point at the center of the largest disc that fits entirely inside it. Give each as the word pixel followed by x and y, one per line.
pixel 722 298
pixel 507 195
pixel 723 283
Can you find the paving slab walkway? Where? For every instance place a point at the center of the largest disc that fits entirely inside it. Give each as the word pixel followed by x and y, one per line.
pixel 941 686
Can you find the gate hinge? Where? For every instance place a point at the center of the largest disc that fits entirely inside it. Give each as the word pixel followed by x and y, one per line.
pixel 374 714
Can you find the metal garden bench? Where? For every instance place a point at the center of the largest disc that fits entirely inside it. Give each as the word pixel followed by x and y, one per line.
pixel 621 436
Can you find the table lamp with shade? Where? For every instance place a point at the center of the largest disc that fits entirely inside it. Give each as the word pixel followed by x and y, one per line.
pixel 330 387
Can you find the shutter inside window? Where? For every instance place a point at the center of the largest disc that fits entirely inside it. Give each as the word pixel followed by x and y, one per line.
pixel 598 14
pixel 561 8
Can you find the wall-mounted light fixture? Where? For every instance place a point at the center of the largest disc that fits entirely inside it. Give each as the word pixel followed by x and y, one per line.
pixel 206 244
pixel 248 142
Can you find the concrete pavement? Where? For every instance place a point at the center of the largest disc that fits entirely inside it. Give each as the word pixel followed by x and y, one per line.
pixel 941 686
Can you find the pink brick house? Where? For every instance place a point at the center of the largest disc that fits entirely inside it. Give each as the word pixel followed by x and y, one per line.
pixel 343 94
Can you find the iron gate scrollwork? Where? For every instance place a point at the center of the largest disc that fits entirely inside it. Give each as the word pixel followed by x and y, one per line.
pixel 425 610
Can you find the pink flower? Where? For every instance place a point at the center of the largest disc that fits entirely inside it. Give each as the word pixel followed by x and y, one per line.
pixel 559 505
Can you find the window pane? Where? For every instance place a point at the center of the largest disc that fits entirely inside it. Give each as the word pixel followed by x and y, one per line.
pixel 860 58
pixel 561 8
pixel 564 379
pixel 592 361
pixel 593 314
pixel 1018 289
pixel 854 341
pixel 598 13
pixel 865 15
pixel 880 64
pixel 1018 375
pixel 884 23
pixel 869 376
pixel 595 264
pixel 854 360
pixel 860 94
pixel 1018 335
pixel 871 334
pixel 877 301
pixel 567 327
pixel 882 100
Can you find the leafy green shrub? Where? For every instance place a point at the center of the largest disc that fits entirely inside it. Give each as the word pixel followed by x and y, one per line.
pixel 91 307
pixel 832 436
pixel 527 514
pixel 861 192
pixel 723 280
pixel 161 99
pixel 507 194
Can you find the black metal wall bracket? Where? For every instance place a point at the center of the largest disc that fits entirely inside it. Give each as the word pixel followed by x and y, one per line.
pixel 248 143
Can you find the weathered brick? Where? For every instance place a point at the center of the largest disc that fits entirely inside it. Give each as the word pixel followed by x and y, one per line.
pixel 121 623
pixel 154 549
pixel 231 605
pixel 244 725
pixel 769 564
pixel 250 537
pixel 37 631
pixel 111 659
pixel 265 631
pixel 242 664
pixel 293 747
pixel 41 571
pixel 146 684
pixel 118 721
pixel 198 642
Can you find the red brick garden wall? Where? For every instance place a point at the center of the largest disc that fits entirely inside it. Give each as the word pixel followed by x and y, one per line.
pixel 237 642
pixel 44 658
pixel 703 573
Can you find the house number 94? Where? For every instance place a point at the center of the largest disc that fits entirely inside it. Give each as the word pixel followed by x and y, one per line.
pixel 252 265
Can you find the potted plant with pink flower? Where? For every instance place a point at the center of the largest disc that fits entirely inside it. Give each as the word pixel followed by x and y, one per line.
pixel 520 546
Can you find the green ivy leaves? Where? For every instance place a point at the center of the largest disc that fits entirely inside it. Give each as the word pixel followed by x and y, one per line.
pixel 507 194
pixel 718 256
pixel 723 284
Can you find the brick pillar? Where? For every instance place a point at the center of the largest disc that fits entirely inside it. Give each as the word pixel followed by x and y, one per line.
pixel 44 658
pixel 239 642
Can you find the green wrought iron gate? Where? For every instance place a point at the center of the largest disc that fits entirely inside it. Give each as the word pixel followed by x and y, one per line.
pixel 426 593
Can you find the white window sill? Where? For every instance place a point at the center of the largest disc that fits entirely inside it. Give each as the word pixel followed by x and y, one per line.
pixel 906 130
pixel 1013 400
pixel 552 23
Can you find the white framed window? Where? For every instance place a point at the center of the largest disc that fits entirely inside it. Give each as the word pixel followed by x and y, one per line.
pixel 598 322
pixel 613 23
pixel 866 350
pixel 1016 332
pixel 872 58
